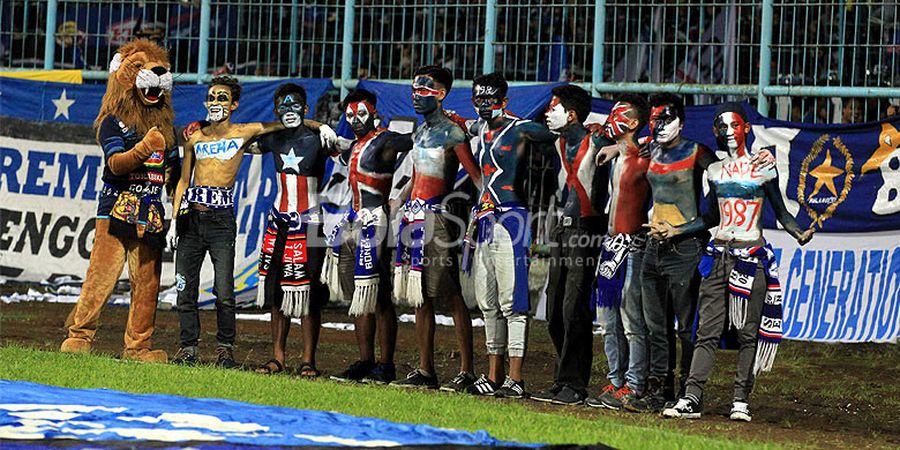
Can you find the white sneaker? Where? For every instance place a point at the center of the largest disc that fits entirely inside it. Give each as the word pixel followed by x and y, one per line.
pixel 740 411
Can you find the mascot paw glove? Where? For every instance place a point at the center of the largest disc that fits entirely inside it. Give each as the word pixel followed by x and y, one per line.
pixel 125 162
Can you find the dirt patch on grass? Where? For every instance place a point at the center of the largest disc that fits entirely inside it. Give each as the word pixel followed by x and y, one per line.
pixel 822 395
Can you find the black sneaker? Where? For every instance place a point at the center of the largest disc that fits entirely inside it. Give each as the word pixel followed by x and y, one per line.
pixel 225 358
pixel 652 400
pixel 610 397
pixel 186 356
pixel 483 386
pixel 418 379
pixel 685 408
pixel 511 389
pixel 459 383
pixel 356 372
pixel 547 395
pixel 383 373
pixel 569 396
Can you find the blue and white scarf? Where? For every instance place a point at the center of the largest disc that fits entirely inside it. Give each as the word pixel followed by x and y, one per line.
pixel 366 278
pixel 410 257
pixel 609 278
pixel 740 287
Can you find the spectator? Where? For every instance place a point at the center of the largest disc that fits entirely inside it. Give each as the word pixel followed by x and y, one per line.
pixel 852 111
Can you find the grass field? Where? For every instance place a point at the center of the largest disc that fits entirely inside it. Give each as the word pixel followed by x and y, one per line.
pixel 504 420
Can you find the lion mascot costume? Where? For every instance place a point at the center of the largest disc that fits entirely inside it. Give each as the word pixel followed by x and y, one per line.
pixel 135 131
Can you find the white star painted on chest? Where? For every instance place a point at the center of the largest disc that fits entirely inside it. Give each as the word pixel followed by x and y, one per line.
pixel 291 161
pixel 62 105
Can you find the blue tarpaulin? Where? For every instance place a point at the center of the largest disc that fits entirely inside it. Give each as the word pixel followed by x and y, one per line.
pixel 30 411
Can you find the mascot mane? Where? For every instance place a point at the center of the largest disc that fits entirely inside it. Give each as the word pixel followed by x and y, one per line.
pixel 133 66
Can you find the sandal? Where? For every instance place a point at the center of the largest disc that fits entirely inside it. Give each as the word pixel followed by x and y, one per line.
pixel 308 370
pixel 271 367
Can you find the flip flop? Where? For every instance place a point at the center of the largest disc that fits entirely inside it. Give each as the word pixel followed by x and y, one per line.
pixel 308 370
pixel 271 367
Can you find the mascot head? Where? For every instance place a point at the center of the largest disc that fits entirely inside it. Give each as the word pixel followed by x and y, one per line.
pixel 139 89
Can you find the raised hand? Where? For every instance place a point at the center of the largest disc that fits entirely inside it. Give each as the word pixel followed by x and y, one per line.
pixel 807 236
pixel 191 128
pixel 327 136
pixel 607 153
pixel 763 159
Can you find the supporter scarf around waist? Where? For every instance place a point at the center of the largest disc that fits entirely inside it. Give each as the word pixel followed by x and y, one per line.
pixel 740 285
pixel 366 277
pixel 295 274
pixel 513 217
pixel 410 257
pixel 609 278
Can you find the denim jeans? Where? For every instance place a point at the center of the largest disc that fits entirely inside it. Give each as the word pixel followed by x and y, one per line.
pixel 670 275
pixel 213 232
pixel 625 333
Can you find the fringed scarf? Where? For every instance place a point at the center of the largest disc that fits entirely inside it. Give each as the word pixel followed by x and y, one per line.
pixel 366 278
pixel 410 257
pixel 609 280
pixel 295 281
pixel 740 287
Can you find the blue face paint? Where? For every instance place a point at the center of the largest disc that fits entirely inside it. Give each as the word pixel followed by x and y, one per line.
pixel 425 94
pixel 290 110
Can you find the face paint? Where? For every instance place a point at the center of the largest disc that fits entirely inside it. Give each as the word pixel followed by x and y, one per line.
pixel 361 117
pixel 617 122
pixel 425 95
pixel 731 132
pixel 557 117
pixel 219 103
pixel 487 101
pixel 290 110
pixel 664 124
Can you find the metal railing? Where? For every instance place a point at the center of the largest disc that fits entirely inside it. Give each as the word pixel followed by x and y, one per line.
pixel 809 59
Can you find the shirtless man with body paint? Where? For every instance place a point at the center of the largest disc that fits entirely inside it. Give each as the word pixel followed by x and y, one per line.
pixel 360 259
pixel 426 266
pixel 739 270
pixel 501 233
pixel 617 289
pixel 669 277
pixel 204 217
pixel 577 239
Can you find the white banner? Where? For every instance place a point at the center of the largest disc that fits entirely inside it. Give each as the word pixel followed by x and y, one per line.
pixel 48 202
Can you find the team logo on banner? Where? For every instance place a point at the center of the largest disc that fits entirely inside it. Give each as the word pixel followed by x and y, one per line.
pixel 886 159
pixel 829 164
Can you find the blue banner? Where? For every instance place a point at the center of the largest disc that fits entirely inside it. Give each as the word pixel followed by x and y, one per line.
pixel 30 411
pixel 80 103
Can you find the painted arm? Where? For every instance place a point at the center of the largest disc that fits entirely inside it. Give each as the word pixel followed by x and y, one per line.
pixel 122 163
pixel 187 169
pixel 536 132
pixel 464 153
pixel 773 194
pixel 608 148
pixel 705 157
pixel 395 144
